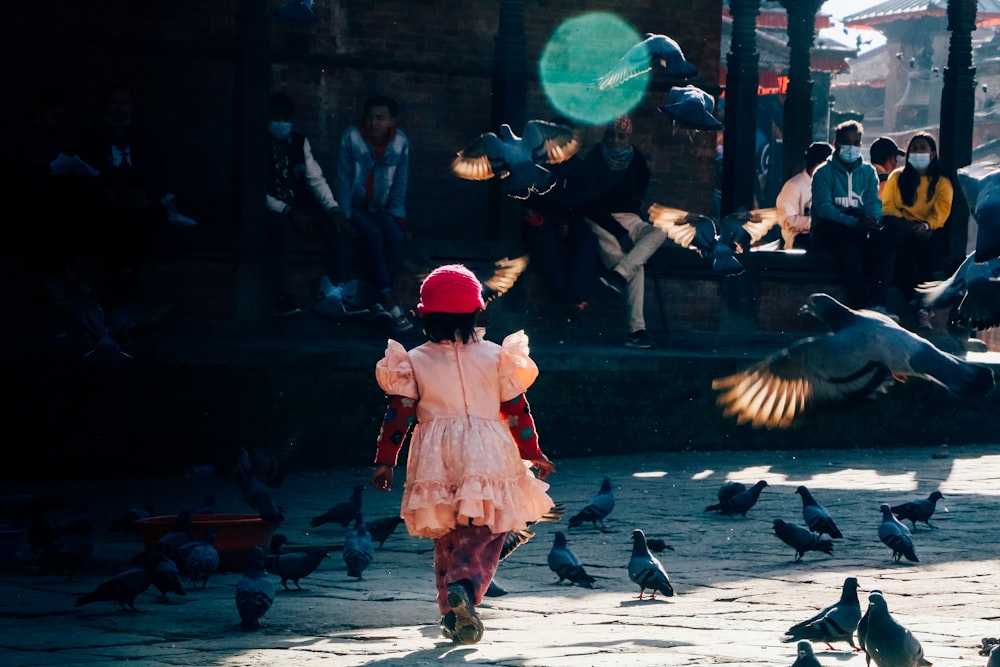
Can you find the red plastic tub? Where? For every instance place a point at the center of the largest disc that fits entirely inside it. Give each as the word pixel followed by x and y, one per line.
pixel 238 534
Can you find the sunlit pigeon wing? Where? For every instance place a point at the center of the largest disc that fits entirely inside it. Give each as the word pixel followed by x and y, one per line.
pixel 683 228
pixel 760 222
pixel 482 159
pixel 550 143
pixel 505 273
pixel 636 61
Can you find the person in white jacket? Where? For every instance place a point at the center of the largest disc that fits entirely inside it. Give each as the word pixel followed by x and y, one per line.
pixel 796 196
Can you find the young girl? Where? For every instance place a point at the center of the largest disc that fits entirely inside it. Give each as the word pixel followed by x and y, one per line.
pixel 472 431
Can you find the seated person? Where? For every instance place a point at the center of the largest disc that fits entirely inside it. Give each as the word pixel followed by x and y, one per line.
pixel 796 196
pixel 884 155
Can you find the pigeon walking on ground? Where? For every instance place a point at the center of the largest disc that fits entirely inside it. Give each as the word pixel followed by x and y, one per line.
pixel 655 51
pixel 126 522
pixel 203 558
pixel 381 529
pixel 598 509
pixel 167 578
pixel 804 656
pixel 343 512
pixel 863 352
pixel 816 516
pixel 918 510
pixel 519 158
pixel 181 533
pixel 836 623
pixel 566 565
pixel 358 551
pixel 254 592
pixel 887 642
pixel 66 555
pixel 801 539
pixel 896 536
pixel 736 498
pixel 646 570
pixel 295 565
pixel 124 587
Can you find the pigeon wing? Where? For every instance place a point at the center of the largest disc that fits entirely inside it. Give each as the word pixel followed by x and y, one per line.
pixel 980 307
pixel 482 159
pixel 550 143
pixel 637 60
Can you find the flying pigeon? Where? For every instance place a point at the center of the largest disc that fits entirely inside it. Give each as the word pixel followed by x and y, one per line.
pixel 254 592
pixel 295 565
pixel 896 536
pixel 697 232
pixel 566 565
pixel 691 108
pixel 358 551
pixel 836 623
pixel 864 351
pixel 298 12
pixel 887 642
pixel 736 498
pixel 654 51
pixel 203 558
pixel 597 509
pixel 972 293
pixel 381 529
pixel 646 570
pixel 520 158
pixel 804 656
pixel 918 510
pixel 980 183
pixel 816 516
pixel 343 512
pixel 801 539
pixel 519 537
pixel 124 587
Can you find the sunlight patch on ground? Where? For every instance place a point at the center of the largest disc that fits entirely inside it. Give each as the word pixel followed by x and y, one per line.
pixel 650 474
pixel 973 474
pixel 704 474
pixel 845 478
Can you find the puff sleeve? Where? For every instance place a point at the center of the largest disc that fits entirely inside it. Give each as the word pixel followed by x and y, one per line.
pixel 517 370
pixel 394 372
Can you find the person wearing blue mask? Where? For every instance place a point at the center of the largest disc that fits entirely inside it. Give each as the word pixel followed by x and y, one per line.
pixel 919 195
pixel 300 200
pixel 847 221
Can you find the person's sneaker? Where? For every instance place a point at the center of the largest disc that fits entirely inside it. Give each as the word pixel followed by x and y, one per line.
pixel 468 627
pixel 884 311
pixel 401 324
pixel 923 319
pixel 378 313
pixel 284 306
pixel 640 340
pixel 614 280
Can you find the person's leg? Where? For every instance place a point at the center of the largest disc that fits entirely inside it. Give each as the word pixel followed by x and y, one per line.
pixel 340 250
pixel 843 244
pixel 879 258
pixel 634 298
pixel 392 243
pixel 582 250
pixel 465 562
pixel 278 234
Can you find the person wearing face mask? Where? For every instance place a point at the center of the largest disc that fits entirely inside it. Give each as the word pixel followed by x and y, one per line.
pixel 919 195
pixel 847 221
pixel 300 200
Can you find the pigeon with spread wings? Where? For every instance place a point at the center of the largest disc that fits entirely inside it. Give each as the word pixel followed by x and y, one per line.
pixel 520 159
pixel 721 242
pixel 972 293
pixel 653 51
pixel 691 108
pixel 863 352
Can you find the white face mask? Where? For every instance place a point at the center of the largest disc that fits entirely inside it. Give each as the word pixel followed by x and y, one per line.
pixel 849 153
pixel 279 129
pixel 919 160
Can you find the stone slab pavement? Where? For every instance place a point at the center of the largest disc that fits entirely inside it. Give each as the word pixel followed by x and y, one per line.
pixel 737 587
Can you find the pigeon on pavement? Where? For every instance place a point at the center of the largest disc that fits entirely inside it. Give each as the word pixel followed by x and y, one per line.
pixel 895 535
pixel 295 565
pixel 598 509
pixel 566 565
pixel 805 656
pixel 343 512
pixel 801 539
pixel 125 523
pixel 167 578
pixel 735 498
pixel 691 108
pixel 124 587
pixel 887 642
pixel 646 570
pixel 836 623
pixel 358 551
pixel 66 555
pixel 254 592
pixel 653 51
pixel 918 510
pixel 203 558
pixel 863 352
pixel 816 516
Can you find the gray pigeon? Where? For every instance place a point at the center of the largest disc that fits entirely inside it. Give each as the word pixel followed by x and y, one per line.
pixel 295 565
pixel 167 578
pixel 994 660
pixel 972 293
pixel 801 539
pixel 980 183
pixel 358 551
pixel 735 498
pixel 836 623
pixel 896 536
pixel 520 158
pixel 66 555
pixel 805 657
pixel 863 352
pixel 646 570
pixel 254 592
pixel 126 586
pixel 381 529
pixel 566 565
pixel 343 512
pixel 816 516
pixel 598 509
pixel 691 108
pixel 653 51
pixel 918 510
pixel 887 642
pixel 203 558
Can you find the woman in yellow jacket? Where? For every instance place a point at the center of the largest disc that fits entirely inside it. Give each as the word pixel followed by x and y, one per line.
pixel 919 193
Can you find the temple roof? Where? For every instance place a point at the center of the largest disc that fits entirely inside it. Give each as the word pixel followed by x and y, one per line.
pixel 988 11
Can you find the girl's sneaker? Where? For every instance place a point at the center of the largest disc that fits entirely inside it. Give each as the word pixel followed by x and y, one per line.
pixel 468 627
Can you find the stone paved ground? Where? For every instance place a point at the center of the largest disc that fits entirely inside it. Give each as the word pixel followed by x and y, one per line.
pixel 737 586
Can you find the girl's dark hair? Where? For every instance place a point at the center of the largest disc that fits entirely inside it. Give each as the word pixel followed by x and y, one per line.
pixel 909 179
pixel 450 326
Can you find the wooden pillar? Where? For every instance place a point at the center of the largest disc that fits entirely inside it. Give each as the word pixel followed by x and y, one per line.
pixel 252 82
pixel 798 116
pixel 958 100
pixel 742 80
pixel 509 106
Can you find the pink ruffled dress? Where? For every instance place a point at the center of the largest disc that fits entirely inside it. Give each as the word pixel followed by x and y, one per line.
pixel 464 467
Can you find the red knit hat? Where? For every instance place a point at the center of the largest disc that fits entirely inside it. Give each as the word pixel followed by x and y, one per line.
pixel 451 288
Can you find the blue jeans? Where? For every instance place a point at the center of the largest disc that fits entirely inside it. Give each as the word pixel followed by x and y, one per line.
pixel 565 257
pixel 381 240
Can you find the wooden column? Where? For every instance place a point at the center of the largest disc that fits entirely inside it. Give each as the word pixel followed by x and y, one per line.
pixel 509 102
pixel 742 80
pixel 798 116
